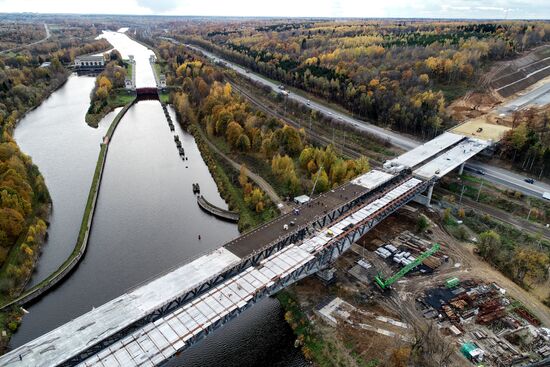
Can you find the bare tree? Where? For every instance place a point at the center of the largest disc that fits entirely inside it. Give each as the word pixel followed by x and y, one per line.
pixel 431 349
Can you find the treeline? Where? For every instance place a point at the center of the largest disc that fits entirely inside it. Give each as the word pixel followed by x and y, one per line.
pixel 206 100
pixel 389 72
pixel 527 145
pixel 24 198
pixel 16 34
pixel 108 85
pixel 521 256
pixel 24 83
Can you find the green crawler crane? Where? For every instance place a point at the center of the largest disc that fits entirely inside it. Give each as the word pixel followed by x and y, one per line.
pixel 385 283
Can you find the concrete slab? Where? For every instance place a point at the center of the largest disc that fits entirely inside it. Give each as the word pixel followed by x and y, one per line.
pixel 451 159
pixel 425 151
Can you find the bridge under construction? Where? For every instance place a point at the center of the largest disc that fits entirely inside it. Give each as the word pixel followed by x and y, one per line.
pixel 151 323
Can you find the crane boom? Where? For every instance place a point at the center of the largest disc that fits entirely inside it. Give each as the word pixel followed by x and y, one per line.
pixel 385 283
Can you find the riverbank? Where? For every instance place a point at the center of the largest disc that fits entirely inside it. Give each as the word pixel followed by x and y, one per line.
pixel 226 179
pixel 26 251
pixel 98 110
pixel 19 263
pixel 311 344
pixel 10 314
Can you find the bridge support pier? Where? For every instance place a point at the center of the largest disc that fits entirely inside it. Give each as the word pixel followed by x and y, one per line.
pixel 461 168
pixel 429 195
pixel 326 274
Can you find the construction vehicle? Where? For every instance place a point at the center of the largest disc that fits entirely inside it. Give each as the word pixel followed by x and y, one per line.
pixel 386 283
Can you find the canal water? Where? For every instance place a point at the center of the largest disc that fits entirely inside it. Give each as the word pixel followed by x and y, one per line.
pixel 126 46
pixel 65 149
pixel 146 220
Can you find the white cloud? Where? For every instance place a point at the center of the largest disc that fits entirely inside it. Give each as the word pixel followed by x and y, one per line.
pixel 294 8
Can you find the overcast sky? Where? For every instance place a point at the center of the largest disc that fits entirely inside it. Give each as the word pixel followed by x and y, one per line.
pixel 511 9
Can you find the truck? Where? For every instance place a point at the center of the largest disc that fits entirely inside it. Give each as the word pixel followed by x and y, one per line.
pixel 546 195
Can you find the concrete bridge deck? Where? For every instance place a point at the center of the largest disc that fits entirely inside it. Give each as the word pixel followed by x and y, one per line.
pixel 108 323
pixel 149 324
pixel 160 340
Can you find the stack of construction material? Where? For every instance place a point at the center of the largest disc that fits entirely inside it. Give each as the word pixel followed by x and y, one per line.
pixel 432 262
pixel 364 264
pixel 490 311
pixel 383 252
pixel 403 258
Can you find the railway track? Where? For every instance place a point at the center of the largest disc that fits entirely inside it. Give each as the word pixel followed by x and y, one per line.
pixel 350 150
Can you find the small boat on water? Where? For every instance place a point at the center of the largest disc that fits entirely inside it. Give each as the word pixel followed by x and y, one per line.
pixel 196 188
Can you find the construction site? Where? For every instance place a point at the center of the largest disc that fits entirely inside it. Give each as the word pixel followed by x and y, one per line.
pixel 402 295
pixel 510 86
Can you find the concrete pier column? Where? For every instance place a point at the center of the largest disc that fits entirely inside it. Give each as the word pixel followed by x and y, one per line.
pixel 429 195
pixel 461 168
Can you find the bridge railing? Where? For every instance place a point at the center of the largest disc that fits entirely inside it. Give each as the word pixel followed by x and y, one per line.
pixel 188 295
pixel 326 254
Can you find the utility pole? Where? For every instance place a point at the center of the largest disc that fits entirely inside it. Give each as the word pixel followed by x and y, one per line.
pixel 343 144
pixel 479 192
pixel 461 193
pixel 316 179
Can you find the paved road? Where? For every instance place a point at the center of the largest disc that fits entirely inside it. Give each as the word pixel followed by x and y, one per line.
pixel 494 174
pixel 509 179
pixel 394 138
pixel 48 35
pixel 312 134
pixel 538 96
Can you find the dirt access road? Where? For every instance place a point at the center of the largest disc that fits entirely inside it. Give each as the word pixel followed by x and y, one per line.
pixel 258 180
pixel 471 267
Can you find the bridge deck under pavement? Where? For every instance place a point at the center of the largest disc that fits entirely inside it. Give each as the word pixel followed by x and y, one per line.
pixel 259 237
pixel 315 208
pixel 77 335
pixel 160 340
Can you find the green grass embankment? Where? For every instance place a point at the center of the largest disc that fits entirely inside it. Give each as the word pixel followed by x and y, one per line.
pixel 129 66
pixel 99 109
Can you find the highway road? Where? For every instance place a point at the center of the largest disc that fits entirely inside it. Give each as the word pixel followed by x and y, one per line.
pixel 493 174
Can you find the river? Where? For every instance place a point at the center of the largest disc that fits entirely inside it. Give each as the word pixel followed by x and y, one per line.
pixel 146 219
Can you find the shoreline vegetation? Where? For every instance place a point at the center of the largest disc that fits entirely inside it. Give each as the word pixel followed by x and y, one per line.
pixel 10 312
pixel 117 98
pixel 227 183
pixel 25 82
pixel 109 91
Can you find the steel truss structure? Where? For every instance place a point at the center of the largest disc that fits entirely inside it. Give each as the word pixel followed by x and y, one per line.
pixel 253 259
